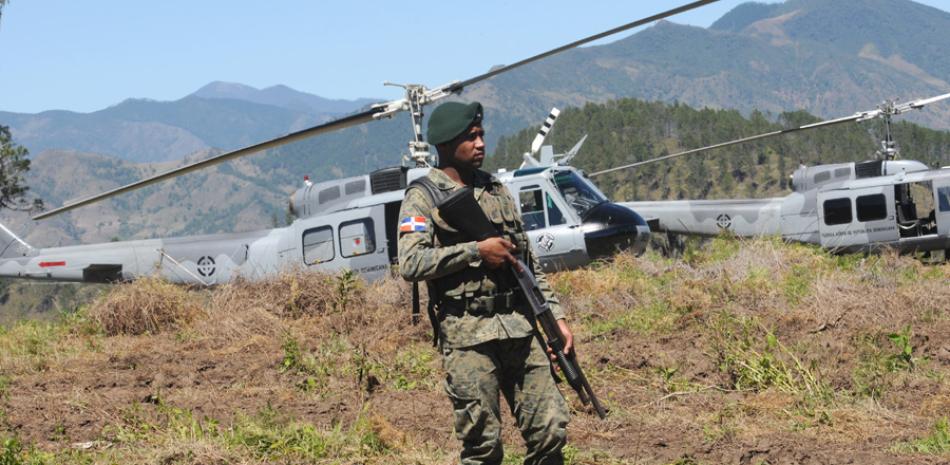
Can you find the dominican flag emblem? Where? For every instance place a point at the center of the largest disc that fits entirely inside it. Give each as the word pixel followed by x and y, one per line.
pixel 413 223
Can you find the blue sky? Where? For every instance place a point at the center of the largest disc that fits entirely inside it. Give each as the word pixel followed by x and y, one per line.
pixel 85 56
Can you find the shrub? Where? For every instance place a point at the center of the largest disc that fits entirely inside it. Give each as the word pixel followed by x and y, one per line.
pixel 149 305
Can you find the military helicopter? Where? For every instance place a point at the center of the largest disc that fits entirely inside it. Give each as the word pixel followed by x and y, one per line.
pixel 845 207
pixel 351 223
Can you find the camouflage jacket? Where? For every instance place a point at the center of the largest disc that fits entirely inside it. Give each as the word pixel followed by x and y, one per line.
pixel 456 270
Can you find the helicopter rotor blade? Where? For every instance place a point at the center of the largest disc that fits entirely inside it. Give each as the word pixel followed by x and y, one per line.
pixel 918 104
pixel 857 117
pixel 377 111
pixel 347 121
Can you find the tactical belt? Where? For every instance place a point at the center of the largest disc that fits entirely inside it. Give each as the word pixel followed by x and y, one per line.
pixel 503 302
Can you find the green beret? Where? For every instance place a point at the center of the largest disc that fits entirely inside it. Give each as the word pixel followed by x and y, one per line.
pixel 451 119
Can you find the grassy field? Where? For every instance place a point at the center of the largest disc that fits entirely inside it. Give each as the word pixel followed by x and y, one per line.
pixel 750 352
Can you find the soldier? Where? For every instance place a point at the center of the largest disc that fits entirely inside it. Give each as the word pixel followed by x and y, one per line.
pixel 486 342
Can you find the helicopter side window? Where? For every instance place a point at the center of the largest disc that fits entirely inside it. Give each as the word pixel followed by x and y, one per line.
pixel 318 245
pixel 532 208
pixel 837 211
pixel 822 177
pixel 871 207
pixel 328 194
pixel 357 238
pixel 943 195
pixel 555 216
pixel 355 187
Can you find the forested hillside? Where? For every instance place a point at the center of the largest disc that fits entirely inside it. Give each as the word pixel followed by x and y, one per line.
pixel 626 131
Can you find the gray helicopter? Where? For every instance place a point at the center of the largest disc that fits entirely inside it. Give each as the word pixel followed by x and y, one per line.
pixel 845 207
pixel 351 224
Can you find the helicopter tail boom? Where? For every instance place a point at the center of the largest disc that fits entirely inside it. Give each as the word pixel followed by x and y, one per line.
pixel 748 217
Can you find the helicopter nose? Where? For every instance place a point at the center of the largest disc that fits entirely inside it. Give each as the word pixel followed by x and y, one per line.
pixel 610 228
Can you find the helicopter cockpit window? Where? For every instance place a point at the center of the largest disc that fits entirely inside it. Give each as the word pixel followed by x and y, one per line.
pixel 943 196
pixel 318 245
pixel 580 195
pixel 532 209
pixel 871 207
pixel 837 211
pixel 357 238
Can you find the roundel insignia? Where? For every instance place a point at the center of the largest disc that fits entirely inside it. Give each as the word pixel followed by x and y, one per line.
pixel 206 266
pixel 546 241
pixel 724 221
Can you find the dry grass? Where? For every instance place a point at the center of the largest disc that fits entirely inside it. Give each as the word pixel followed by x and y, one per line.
pixel 147 306
pixel 744 346
pixel 331 304
pixel 289 295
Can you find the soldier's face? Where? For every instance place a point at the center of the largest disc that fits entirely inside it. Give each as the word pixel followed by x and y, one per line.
pixel 470 148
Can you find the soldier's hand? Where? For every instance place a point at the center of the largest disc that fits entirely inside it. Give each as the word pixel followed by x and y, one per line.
pixel 496 252
pixel 568 336
pixel 568 341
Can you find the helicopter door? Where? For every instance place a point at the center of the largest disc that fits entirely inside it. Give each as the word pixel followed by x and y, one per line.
pixel 556 243
pixel 852 219
pixel 942 206
pixel 350 239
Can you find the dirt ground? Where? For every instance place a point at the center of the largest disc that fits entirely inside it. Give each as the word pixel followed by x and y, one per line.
pixel 771 354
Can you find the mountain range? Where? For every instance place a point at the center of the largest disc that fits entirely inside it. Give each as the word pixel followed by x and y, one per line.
pixel 219 115
pixel 283 97
pixel 830 58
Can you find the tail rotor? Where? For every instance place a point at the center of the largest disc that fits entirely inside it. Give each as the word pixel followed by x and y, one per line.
pixel 547 156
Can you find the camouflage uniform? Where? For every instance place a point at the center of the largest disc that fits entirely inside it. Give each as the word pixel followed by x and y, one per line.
pixel 487 344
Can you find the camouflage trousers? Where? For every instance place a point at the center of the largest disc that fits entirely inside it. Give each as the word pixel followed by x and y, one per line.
pixel 519 370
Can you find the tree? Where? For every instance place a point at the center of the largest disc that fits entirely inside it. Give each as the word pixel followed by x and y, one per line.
pixel 13 164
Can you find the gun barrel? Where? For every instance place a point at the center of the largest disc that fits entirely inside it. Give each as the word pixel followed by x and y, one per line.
pixel 555 339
